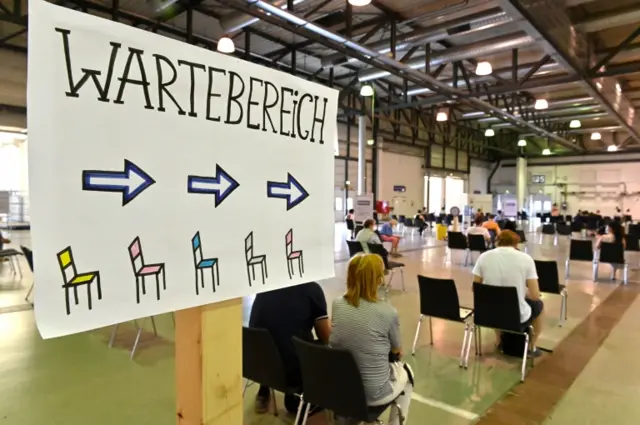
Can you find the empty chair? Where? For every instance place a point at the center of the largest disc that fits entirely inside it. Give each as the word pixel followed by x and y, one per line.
pixel 262 363
pixel 613 254
pixel 577 226
pixel 477 243
pixel 439 299
pixel 409 224
pixel 549 282
pixel 391 266
pixel 579 250
pixel 497 307
pixel 332 380
pixel 563 229
pixel 457 240
pixel 354 248
pixel 549 229
pixel 523 239
pixel 569 218
pixel 631 242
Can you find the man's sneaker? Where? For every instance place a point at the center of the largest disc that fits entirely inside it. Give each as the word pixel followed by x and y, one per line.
pixel 262 404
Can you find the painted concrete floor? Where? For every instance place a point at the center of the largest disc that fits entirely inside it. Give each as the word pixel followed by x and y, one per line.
pixel 78 380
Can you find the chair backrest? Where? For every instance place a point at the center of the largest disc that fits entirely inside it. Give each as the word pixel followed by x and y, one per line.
pixel 439 298
pixel 288 240
pixel 380 250
pixel 456 240
pixel 577 226
pixel 261 360
pixel 563 229
pixel 248 246
pixel 354 248
pixel 632 242
pixel 522 236
pixel 548 276
pixel 568 218
pixel 135 254
pixel 581 250
pixel 634 229
pixel 477 243
pixel 67 265
pixel 496 307
pixel 401 219
pixel 612 253
pixel 501 224
pixel 196 245
pixel 28 254
pixel 408 222
pixel 351 225
pixel 332 379
pixel 548 229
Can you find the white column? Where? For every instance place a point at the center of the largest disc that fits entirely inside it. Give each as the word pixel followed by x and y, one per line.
pixel 521 182
pixel 362 162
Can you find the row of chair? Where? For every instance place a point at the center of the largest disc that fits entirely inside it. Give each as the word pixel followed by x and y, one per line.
pixel 331 377
pixel 391 266
pixel 472 243
pixel 609 253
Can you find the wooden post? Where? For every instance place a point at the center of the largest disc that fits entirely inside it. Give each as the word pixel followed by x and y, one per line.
pixel 209 364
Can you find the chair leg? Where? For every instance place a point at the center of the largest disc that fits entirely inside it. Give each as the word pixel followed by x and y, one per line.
pixel 299 265
pixel 266 271
pixel 289 268
pixel 248 275
pixel 75 294
pixel 303 410
pixel 566 269
pixel 415 338
pixel 198 283
pixel 66 296
pixel 275 404
pixel 613 272
pixel 153 323
pixel 479 339
pixel 135 343
pixel 158 286
pixel 262 268
pixel 402 278
pixel 466 258
pixel 18 265
pixel 29 293
pixel 138 290
pixel 89 296
pixel 112 339
pixel 144 285
pixel 430 331
pixel 464 343
pixel 213 279
pixel 246 385
pixel 164 279
pixel 625 274
pixel 524 357
pixel 472 330
pixel 595 271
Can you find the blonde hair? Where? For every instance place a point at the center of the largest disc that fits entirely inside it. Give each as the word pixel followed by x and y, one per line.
pixel 393 222
pixel 365 274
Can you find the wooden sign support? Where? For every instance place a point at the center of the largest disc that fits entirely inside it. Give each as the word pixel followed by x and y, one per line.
pixel 209 364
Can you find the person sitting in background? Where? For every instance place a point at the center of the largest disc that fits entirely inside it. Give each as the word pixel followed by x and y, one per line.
pixel 506 266
pixel 510 225
pixel 479 229
pixel 614 235
pixel 351 215
pixel 368 235
pixel 420 220
pixel 285 313
pixel 500 215
pixel 386 234
pixel 370 330
pixel 555 212
pixel 492 226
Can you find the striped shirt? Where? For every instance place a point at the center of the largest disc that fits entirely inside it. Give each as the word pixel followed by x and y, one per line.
pixel 369 332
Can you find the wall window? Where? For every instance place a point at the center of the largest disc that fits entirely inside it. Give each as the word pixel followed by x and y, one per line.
pixel 338 204
pixel 435 194
pixel 10 169
pixel 349 203
pixel 454 193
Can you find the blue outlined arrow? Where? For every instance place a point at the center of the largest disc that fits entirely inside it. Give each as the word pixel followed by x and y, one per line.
pixel 131 182
pixel 219 186
pixel 292 191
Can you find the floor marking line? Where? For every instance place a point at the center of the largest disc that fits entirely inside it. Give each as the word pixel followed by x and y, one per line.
pixel 444 406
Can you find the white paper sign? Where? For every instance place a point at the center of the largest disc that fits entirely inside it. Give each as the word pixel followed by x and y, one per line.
pixel 363 208
pixel 165 176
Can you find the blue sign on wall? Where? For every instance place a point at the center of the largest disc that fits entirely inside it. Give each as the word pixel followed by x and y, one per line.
pixel 399 188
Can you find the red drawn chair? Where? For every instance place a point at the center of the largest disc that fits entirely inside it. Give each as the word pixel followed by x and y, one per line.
pixel 293 255
pixel 142 270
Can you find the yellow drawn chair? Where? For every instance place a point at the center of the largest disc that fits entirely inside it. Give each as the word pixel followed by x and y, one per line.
pixel 73 279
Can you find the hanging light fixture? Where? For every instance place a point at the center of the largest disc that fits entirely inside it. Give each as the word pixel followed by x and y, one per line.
pixel 546 151
pixel 541 104
pixel 575 124
pixel 442 115
pixel 522 143
pixel 225 45
pixel 359 2
pixel 612 148
pixel 484 68
pixel 489 132
pixel 366 91
pixel 370 142
pixel 596 136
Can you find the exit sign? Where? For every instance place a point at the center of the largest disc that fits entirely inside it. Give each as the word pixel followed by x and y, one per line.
pixel 399 188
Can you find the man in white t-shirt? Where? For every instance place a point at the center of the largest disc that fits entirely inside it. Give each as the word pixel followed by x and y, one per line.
pixel 506 266
pixel 479 230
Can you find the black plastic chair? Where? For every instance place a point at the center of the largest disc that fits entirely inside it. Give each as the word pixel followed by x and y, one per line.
pixel 262 363
pixel 550 230
pixel 501 224
pixel 389 265
pixel 354 248
pixel 579 250
pixel 549 282
pixel 439 299
pixel 523 239
pixel 28 255
pixel 498 307
pixel 477 243
pixel 577 226
pixel 457 240
pixel 409 224
pixel 563 229
pixel 632 242
pixel 613 254
pixel 569 218
pixel 332 380
pixel 351 226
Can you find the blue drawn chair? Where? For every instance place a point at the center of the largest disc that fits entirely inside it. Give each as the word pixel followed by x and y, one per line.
pixel 254 260
pixel 293 255
pixel 74 279
pixel 201 264
pixel 142 270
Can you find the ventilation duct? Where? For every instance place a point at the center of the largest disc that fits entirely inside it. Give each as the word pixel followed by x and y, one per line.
pixel 235 21
pixel 617 18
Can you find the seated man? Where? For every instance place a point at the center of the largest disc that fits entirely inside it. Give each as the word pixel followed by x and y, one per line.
pixel 386 234
pixel 479 229
pixel 506 266
pixel 492 226
pixel 285 313
pixel 368 235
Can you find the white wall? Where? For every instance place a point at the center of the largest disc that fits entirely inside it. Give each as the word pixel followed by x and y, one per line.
pixel 478 176
pixel 13 78
pixel 396 169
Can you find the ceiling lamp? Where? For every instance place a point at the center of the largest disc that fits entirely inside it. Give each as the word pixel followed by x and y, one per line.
pixel 442 115
pixel 596 136
pixel 575 124
pixel 225 45
pixel 522 143
pixel 612 148
pixel 359 2
pixel 370 142
pixel 484 68
pixel 546 151
pixel 366 91
pixel 489 132
pixel 541 104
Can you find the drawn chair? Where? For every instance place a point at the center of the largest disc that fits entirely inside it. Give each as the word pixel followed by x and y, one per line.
pixel 28 255
pixel 142 270
pixel 201 264
pixel 293 255
pixel 72 279
pixel 254 260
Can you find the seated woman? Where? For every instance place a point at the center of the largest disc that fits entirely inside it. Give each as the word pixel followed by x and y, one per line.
pixel 369 329
pixel 386 234
pixel 479 229
pixel 614 235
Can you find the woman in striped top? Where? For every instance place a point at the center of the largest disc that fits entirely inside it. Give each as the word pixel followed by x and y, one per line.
pixel 369 329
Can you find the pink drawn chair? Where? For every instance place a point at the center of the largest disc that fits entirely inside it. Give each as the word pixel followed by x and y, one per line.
pixel 142 270
pixel 293 255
